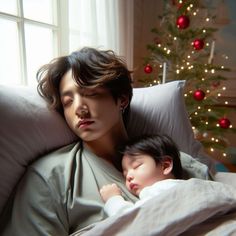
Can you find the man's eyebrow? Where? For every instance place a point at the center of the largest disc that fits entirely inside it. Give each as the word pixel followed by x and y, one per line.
pixel 65 93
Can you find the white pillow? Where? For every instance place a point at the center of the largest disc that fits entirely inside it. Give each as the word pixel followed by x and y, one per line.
pixel 28 129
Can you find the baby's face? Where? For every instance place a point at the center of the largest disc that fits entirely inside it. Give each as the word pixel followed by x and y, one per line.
pixel 140 171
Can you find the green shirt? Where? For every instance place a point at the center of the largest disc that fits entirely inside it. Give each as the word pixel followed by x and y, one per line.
pixel 59 194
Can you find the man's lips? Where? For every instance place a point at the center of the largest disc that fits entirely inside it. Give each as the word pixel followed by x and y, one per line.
pixel 84 123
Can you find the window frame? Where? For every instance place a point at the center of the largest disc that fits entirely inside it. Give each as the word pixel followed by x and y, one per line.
pixel 59 27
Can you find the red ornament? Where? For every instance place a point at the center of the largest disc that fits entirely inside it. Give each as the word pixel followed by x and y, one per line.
pixel 198 95
pixel 148 69
pixel 198 44
pixel 224 123
pixel 182 22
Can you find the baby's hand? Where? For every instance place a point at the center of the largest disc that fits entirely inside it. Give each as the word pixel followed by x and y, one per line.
pixel 109 190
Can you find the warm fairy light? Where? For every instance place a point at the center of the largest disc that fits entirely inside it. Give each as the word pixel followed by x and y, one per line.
pixel 182 67
pixel 165 49
pixel 224 88
pixel 207 44
pixel 212 71
pixel 204 31
pixel 206 123
pixel 168 51
pixel 217 140
pixel 203 79
pixel 187 63
pixel 198 107
pixel 189 56
pixel 175 38
pixel 188 8
pixel 177 71
pixel 155 81
pixel 207 19
pixel 222 67
pixel 186 95
pixel 209 110
pixel 212 149
pixel 219 94
pixel 226 103
pixel 206 70
pixel 212 139
pixel 159 45
pixel 195 113
pixel 160 65
pixel 224 154
pixel 195 13
pixel 191 5
pixel 208 91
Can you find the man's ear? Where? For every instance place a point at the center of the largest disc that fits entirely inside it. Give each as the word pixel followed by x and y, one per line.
pixel 124 101
pixel 167 165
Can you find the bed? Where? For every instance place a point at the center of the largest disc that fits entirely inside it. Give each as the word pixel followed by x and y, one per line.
pixel 206 204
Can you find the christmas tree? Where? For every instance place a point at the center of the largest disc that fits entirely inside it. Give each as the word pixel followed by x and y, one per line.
pixel 184 49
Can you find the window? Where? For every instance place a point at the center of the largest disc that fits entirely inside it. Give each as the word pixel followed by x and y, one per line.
pixel 33 32
pixel 29 38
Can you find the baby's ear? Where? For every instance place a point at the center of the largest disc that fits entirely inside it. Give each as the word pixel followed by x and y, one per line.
pixel 167 165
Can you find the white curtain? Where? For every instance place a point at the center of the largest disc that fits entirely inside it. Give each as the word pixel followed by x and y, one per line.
pixel 105 24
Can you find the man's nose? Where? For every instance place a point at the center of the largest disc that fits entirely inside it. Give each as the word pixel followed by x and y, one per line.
pixel 81 108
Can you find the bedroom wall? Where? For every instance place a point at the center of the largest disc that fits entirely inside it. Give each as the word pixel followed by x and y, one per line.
pixel 146 17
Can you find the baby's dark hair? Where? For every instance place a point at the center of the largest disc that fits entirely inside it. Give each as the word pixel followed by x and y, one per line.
pixel 158 147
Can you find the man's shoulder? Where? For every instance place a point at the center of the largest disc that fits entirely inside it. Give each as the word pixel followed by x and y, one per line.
pixel 57 159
